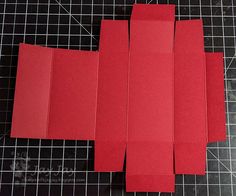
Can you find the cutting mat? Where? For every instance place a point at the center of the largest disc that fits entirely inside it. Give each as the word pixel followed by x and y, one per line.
pixel 54 168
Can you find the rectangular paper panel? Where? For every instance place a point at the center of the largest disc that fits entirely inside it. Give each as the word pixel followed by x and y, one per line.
pixel 190 98
pixel 150 113
pixel 215 97
pixel 111 122
pixel 32 92
pixel 73 95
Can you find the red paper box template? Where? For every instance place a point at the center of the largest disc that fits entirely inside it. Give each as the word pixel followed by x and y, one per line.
pixel 151 93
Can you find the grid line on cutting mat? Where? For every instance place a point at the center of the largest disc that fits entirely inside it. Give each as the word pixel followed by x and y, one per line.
pixel 45 167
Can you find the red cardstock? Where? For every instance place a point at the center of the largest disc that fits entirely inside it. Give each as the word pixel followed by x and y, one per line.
pixel 215 97
pixel 53 98
pixel 32 92
pixel 112 98
pixel 150 112
pixel 190 98
pixel 158 100
pixel 73 95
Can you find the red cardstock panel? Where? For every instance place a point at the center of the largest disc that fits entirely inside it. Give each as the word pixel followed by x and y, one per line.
pixel 153 12
pixel 147 20
pixel 150 111
pixel 73 95
pixel 32 92
pixel 55 94
pixel 190 98
pixel 112 98
pixel 215 97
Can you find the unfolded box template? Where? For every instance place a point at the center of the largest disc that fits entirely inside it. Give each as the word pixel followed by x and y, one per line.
pixel 151 93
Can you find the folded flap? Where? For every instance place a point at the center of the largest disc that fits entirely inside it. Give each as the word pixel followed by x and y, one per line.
pixel 150 183
pixel 32 92
pixel 151 12
pixel 190 158
pixel 215 97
